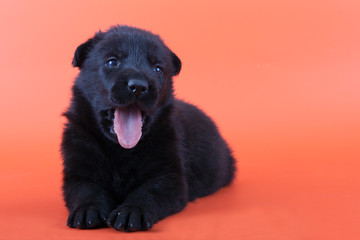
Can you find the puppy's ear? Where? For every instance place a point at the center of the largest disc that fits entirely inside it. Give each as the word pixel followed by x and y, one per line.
pixel 176 64
pixel 82 51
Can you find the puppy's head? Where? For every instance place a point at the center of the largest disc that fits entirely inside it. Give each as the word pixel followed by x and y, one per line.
pixel 126 75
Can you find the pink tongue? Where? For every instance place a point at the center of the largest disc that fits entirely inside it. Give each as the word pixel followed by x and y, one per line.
pixel 127 126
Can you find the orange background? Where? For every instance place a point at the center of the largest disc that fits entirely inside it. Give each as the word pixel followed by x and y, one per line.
pixel 280 78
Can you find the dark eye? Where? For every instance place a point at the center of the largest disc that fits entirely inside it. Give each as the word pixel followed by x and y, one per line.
pixel 112 62
pixel 158 70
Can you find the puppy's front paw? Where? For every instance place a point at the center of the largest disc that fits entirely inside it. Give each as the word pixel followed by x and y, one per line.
pixel 130 219
pixel 88 216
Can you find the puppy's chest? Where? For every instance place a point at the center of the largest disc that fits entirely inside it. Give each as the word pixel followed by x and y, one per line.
pixel 127 174
pixel 123 182
pixel 128 170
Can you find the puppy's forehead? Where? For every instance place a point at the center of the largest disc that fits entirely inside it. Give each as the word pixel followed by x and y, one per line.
pixel 132 44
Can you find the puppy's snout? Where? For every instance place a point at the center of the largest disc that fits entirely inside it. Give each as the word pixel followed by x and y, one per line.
pixel 138 87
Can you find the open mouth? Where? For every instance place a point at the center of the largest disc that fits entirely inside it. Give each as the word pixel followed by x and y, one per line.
pixel 126 124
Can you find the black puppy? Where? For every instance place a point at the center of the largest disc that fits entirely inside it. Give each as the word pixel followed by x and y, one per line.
pixel 132 153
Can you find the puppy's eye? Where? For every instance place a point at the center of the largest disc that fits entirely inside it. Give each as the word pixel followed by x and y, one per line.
pixel 158 70
pixel 112 62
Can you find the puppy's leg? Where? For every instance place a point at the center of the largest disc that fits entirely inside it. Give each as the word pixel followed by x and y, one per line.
pixel 88 202
pixel 154 200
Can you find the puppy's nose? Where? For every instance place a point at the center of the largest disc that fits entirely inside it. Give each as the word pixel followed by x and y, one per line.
pixel 138 87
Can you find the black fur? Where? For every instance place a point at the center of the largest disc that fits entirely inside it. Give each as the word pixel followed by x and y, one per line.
pixel 180 156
